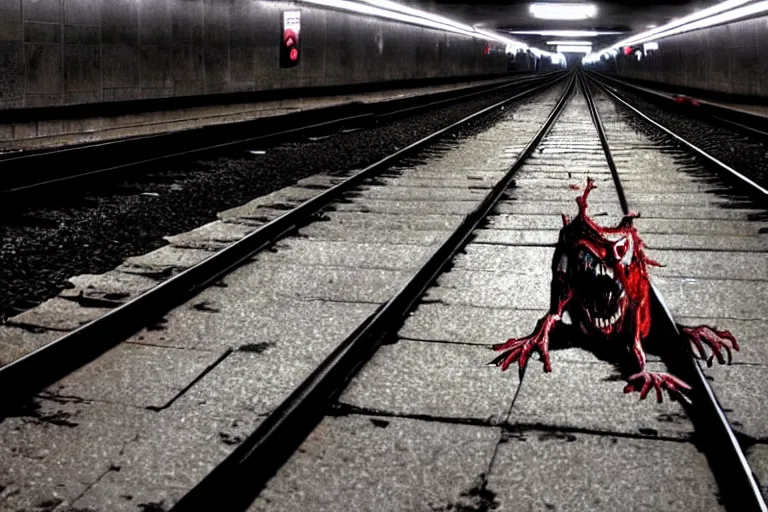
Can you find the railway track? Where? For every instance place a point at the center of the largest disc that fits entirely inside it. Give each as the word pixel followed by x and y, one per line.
pixel 422 425
pixel 36 175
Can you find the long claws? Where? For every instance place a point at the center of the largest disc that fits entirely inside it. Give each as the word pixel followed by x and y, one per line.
pixel 716 340
pixel 658 382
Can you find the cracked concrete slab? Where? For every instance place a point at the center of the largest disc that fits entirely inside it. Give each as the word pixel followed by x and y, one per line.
pixel 319 231
pixel 293 325
pixel 354 255
pixel 603 473
pixel 373 464
pixel 111 287
pixel 502 289
pixel 267 282
pixel 452 380
pixel 424 193
pixel 749 266
pixel 137 375
pixel 164 262
pixel 741 391
pixel 211 237
pixel 58 314
pixel 713 298
pixel 426 222
pixel 42 460
pixel 409 207
pixel 165 461
pixel 254 209
pixel 16 342
pixel 589 396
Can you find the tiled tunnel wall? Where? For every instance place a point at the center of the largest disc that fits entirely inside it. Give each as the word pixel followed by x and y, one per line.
pixel 64 52
pixel 731 59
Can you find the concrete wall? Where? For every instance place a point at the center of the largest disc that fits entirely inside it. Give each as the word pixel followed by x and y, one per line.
pixel 731 59
pixel 64 52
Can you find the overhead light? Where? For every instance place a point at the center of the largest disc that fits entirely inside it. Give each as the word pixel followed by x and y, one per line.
pixel 565 33
pixel 723 12
pixel 394 11
pixel 547 11
pixel 574 49
pixel 650 46
pixel 571 43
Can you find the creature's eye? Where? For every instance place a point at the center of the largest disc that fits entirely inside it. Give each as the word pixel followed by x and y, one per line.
pixel 622 250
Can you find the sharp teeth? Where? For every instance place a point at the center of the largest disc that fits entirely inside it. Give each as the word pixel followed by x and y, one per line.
pixel 609 272
pixel 610 296
pixel 563 265
pixel 623 293
pixel 566 318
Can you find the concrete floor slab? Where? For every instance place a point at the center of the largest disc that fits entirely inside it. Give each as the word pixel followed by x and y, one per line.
pixel 529 473
pixel 57 314
pixel 426 222
pixel 164 462
pixel 137 375
pixel 523 260
pixel 253 209
pixel 211 237
pixel 657 211
pixel 714 298
pixel 164 262
pixel 111 287
pixel 322 231
pixel 515 237
pixel 589 396
pixel 493 290
pixel 295 326
pixel 297 251
pixel 714 227
pixel 435 181
pixel 757 457
pixel 42 460
pixel 741 391
pixel 16 342
pixel 267 282
pixel 407 207
pixel 752 266
pixel 424 193
pixel 441 380
pixel 463 324
pixel 372 464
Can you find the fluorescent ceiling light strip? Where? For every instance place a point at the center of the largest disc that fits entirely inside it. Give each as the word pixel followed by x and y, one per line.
pixel 570 43
pixel 397 12
pixel 565 33
pixel 394 6
pixel 705 13
pixel 549 11
pixel 725 17
pixel 574 49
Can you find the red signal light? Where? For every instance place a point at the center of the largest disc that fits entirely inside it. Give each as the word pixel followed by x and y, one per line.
pixel 294 54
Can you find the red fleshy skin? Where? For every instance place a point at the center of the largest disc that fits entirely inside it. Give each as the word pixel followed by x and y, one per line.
pixel 600 277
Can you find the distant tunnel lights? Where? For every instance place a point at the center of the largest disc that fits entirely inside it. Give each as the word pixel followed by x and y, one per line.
pixel 564 33
pixel 552 11
pixel 570 43
pixel 574 49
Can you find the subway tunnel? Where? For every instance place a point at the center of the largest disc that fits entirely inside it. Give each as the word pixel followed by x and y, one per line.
pixel 375 255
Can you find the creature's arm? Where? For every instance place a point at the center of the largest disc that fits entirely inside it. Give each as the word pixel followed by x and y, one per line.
pixel 519 349
pixel 658 381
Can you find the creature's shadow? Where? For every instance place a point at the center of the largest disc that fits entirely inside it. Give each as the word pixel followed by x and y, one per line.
pixel 616 351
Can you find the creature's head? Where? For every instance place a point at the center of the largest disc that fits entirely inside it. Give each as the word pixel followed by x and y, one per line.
pixel 605 267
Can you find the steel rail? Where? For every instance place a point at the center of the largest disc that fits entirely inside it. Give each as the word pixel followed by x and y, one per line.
pixel 751 186
pixel 134 145
pixel 23 378
pixel 737 484
pixel 706 110
pixel 236 482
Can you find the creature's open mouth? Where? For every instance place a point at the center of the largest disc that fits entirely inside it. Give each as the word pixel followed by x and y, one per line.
pixel 602 296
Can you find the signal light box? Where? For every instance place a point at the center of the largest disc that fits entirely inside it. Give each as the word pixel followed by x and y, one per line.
pixel 290 47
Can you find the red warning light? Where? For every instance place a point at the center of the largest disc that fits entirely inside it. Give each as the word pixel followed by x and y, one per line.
pixel 628 50
pixel 487 50
pixel 290 49
pixel 294 55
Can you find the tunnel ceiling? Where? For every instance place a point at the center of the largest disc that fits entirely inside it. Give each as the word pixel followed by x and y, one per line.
pixel 620 16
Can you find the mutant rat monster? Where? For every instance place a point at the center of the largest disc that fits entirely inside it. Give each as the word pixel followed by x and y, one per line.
pixel 600 285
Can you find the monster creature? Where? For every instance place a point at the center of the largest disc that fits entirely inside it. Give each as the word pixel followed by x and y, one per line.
pixel 600 285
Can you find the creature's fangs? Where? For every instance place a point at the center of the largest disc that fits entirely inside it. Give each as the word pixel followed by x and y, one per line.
pixel 602 291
